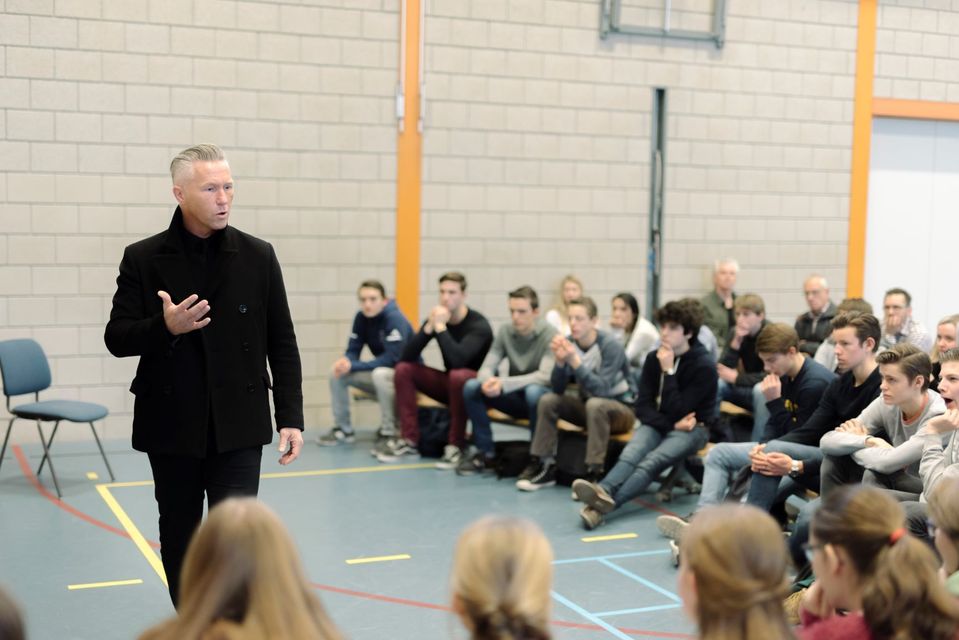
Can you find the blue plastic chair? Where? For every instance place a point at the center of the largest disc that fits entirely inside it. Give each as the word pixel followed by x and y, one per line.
pixel 24 369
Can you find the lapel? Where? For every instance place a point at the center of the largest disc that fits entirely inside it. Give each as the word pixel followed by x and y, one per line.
pixel 171 264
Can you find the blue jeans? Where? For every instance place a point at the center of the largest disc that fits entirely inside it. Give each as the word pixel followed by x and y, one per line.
pixel 646 456
pixel 727 458
pixel 764 491
pixel 519 404
pixel 749 398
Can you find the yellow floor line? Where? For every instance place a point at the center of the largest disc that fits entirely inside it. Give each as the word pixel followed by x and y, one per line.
pixel 98 585
pixel 92 475
pixel 402 556
pixel 333 472
pixel 618 536
pixel 134 532
pixel 297 474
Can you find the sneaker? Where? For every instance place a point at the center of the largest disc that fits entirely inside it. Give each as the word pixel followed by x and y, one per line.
pixel 335 436
pixel 383 445
pixel 399 450
pixel 674 553
pixel 672 526
pixel 382 434
pixel 452 455
pixel 593 496
pixel 536 476
pixel 475 464
pixel 591 517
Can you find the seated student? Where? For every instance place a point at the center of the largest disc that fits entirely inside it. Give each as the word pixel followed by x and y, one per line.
pixel 381 326
pixel 464 336
pixel 675 406
pixel 732 575
pixel 524 344
pixel 813 325
pixel 946 334
pixel 866 564
pixel 718 304
pixel 597 363
pixel 826 353
pixel 637 334
pixel 11 622
pixel 740 367
pixel 878 446
pixel 242 578
pixel 570 288
pixel 898 325
pixel 501 580
pixel 940 460
pixel 792 391
pixel 943 527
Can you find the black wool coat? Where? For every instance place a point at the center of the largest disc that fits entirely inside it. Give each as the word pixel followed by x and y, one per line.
pixel 216 375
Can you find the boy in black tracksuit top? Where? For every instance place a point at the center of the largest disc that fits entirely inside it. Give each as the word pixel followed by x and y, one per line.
pixel 675 405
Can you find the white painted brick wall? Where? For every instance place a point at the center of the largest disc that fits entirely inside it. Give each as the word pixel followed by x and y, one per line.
pixel 96 96
pixel 536 153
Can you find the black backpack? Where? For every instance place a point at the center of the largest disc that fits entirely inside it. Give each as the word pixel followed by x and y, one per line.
pixel 512 456
pixel 434 430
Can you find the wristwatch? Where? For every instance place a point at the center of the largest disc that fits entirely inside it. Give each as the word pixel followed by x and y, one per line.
pixel 794 471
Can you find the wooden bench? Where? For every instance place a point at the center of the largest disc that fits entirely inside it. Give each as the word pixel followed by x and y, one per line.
pixel 732 410
pixel 569 427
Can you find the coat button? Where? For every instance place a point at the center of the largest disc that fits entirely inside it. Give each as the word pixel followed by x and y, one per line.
pixel 250 388
pixel 242 308
pixel 246 346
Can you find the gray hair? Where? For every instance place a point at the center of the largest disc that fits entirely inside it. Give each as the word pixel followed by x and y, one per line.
pixel 204 152
pixel 816 276
pixel 730 261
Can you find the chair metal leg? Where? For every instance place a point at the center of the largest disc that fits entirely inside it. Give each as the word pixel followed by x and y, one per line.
pixel 5 438
pixel 46 455
pixel 49 445
pixel 105 461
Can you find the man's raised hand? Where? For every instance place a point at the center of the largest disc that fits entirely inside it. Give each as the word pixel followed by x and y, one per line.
pixel 186 316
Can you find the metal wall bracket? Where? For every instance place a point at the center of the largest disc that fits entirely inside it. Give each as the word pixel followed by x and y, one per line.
pixel 611 10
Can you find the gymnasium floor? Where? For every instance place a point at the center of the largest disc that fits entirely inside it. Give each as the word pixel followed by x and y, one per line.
pixel 341 506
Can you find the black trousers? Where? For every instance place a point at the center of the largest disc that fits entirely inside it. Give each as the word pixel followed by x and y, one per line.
pixel 839 470
pixel 180 484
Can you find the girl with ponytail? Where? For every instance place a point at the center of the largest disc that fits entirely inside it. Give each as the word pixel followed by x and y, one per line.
pixel 732 574
pixel 502 574
pixel 944 529
pixel 865 563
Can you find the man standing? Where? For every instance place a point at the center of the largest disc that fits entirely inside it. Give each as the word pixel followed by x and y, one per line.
pixel 464 336
pixel 898 324
pixel 524 344
pixel 718 304
pixel 813 326
pixel 381 326
pixel 204 307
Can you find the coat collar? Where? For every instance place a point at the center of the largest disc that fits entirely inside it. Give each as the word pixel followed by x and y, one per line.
pixel 172 265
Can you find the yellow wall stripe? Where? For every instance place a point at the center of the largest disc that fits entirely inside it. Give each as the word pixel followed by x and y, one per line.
pixel 861 138
pixel 409 158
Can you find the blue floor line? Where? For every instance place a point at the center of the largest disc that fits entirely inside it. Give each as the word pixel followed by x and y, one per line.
pixel 622 612
pixel 590 616
pixel 655 587
pixel 636 554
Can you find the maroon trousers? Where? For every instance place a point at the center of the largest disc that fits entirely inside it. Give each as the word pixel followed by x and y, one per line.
pixel 442 386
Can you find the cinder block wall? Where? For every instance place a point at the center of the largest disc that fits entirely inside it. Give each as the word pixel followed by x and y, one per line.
pixel 536 150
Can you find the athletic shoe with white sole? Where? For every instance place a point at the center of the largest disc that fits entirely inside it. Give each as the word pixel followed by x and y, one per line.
pixel 593 496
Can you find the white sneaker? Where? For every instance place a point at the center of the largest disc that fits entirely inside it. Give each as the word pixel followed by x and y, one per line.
pixel 452 455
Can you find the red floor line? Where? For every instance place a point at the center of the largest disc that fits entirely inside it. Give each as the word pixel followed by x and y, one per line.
pixel 655 507
pixel 439 607
pixel 32 479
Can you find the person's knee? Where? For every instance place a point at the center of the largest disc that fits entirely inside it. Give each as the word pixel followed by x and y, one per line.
pixel 404 370
pixel 595 407
pixel 459 377
pixel 382 376
pixel 472 389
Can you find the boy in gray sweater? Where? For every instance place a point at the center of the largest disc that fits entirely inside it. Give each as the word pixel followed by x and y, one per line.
pixel 524 344
pixel 881 446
